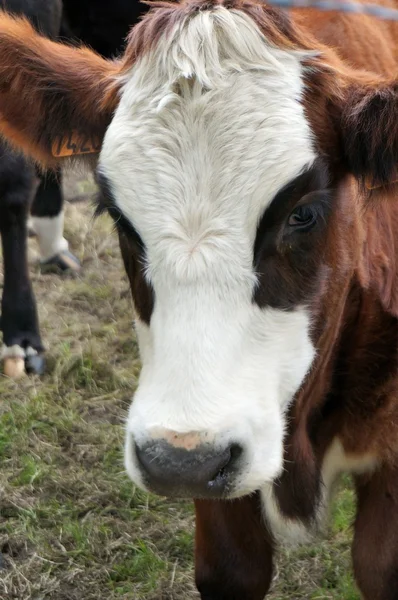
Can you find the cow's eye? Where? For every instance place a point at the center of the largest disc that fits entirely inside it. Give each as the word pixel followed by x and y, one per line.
pixel 303 217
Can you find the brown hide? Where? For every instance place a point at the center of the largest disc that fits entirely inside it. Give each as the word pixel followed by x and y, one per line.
pixel 51 92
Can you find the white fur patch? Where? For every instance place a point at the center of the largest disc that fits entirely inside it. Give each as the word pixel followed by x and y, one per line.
pixel 49 231
pixel 12 352
pixel 286 531
pixel 209 128
pixel 16 352
pixel 336 461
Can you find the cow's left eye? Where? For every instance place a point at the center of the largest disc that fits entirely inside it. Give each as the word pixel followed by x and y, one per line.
pixel 303 217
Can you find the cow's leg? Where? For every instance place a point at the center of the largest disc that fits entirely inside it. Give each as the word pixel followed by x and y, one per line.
pixel 22 344
pixel 233 554
pixel 47 223
pixel 375 546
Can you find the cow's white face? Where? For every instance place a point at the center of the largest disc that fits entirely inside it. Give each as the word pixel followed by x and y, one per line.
pixel 209 130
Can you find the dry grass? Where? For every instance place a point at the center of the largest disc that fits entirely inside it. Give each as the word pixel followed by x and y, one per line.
pixel 72 527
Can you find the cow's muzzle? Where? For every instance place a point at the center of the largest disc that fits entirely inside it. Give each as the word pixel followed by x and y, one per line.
pixel 202 472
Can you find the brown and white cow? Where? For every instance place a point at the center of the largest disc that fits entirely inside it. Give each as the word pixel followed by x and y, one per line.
pixel 237 149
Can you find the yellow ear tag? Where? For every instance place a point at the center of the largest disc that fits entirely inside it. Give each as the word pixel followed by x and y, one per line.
pixel 370 186
pixel 75 144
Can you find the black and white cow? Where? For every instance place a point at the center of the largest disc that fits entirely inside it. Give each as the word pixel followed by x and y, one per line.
pixel 104 27
pixel 101 24
pixel 21 188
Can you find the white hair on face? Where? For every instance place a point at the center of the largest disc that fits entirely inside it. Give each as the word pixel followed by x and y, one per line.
pixel 216 101
pixel 210 126
pixel 208 47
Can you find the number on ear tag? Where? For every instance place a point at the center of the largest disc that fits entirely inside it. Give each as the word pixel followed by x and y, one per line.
pixel 75 144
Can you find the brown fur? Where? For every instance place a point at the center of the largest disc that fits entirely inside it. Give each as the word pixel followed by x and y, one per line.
pixel 47 90
pixel 233 550
pixel 375 548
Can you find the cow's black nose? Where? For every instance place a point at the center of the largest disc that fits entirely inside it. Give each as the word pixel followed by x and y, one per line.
pixel 200 473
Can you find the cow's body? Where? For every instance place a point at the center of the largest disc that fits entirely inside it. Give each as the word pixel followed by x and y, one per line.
pixel 101 24
pixel 104 27
pixel 237 148
pixel 19 188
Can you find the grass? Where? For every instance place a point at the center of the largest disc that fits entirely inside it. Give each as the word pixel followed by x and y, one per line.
pixel 72 526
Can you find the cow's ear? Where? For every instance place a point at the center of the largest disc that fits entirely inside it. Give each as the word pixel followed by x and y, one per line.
pixel 56 101
pixel 369 130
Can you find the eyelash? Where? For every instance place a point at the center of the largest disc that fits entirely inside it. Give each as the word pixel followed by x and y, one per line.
pixel 317 209
pixel 303 217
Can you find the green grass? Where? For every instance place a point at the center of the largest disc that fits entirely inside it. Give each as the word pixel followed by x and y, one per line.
pixel 72 526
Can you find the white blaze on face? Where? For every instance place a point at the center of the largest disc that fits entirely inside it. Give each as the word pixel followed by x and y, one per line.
pixel 209 128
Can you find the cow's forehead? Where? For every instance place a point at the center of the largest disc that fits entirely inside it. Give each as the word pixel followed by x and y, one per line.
pixel 201 143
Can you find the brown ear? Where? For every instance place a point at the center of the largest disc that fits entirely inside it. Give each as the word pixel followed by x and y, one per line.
pixel 55 100
pixel 369 127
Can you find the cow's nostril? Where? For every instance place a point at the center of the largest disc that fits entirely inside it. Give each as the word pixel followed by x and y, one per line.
pixel 173 471
pixel 234 453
